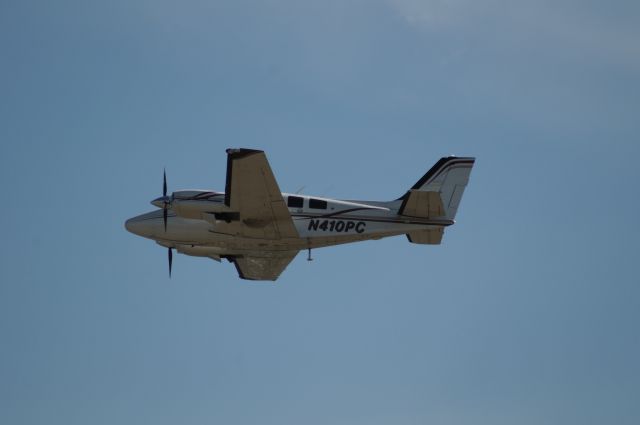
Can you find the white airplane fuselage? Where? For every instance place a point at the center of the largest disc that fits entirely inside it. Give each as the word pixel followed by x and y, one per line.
pixel 260 229
pixel 196 224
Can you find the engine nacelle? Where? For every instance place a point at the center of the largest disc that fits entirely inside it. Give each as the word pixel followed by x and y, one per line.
pixel 212 252
pixel 193 203
pixel 195 209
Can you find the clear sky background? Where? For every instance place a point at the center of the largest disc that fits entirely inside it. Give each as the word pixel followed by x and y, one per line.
pixel 528 313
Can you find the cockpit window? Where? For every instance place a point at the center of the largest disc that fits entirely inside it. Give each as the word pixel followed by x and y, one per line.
pixel 317 204
pixel 295 202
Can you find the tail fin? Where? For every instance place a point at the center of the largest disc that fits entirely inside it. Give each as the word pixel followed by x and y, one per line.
pixel 439 191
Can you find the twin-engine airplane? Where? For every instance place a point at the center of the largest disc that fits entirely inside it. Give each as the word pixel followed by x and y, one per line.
pixel 260 230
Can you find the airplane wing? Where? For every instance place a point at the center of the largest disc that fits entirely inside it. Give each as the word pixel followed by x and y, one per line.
pixel 263 268
pixel 252 191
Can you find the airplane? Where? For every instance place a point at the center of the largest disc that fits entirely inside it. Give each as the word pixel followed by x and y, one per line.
pixel 259 229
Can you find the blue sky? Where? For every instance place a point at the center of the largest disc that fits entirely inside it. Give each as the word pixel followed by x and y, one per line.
pixel 527 313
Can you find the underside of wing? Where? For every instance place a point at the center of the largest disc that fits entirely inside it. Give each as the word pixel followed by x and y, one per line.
pixel 253 192
pixel 263 268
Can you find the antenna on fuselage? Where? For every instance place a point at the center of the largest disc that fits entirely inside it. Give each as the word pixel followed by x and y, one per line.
pixel 326 191
pixel 309 256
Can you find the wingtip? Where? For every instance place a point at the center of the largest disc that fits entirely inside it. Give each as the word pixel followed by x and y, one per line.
pixel 242 152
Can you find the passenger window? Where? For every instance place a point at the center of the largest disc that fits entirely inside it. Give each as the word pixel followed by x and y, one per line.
pixel 295 202
pixel 317 204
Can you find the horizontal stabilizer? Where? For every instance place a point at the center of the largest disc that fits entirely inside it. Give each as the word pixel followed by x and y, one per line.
pixel 426 237
pixel 425 204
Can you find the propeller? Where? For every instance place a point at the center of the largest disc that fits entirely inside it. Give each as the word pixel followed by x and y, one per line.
pixel 165 203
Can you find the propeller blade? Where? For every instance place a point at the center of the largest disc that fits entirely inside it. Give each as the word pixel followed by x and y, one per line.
pixel 170 261
pixel 164 182
pixel 164 217
pixel 165 204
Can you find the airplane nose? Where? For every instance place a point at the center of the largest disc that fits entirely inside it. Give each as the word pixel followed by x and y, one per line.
pixel 145 225
pixel 140 226
pixel 133 226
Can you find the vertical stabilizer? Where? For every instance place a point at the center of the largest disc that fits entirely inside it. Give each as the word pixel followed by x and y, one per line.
pixel 439 191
